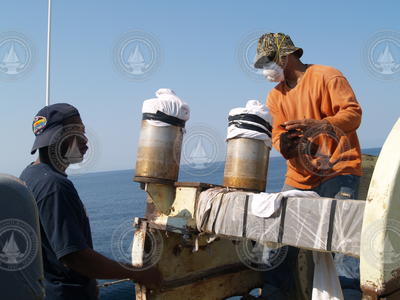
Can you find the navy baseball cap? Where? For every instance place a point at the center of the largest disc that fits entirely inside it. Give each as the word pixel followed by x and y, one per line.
pixel 48 121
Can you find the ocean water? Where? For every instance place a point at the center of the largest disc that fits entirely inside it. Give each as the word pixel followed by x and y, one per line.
pixel 112 198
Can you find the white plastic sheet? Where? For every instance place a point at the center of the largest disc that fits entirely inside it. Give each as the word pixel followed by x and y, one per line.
pixel 253 107
pixel 304 220
pixel 326 285
pixel 168 102
pixel 323 224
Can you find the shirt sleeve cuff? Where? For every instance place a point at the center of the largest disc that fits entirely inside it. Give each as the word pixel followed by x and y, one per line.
pixel 71 249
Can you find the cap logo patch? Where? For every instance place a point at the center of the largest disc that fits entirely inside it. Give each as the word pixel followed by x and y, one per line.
pixel 38 125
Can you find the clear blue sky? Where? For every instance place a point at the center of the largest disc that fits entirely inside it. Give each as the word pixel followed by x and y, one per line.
pixel 198 40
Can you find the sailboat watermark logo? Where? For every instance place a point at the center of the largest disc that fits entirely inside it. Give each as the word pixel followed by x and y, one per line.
pixel 136 248
pixel 259 256
pixel 381 243
pixel 201 148
pixel 73 148
pixel 137 55
pixel 18 245
pixel 246 55
pixel 382 55
pixel 321 148
pixel 15 55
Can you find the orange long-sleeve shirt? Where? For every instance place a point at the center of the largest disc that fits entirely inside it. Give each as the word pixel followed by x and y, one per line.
pixel 322 93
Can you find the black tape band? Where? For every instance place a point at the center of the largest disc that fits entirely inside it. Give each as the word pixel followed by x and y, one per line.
pixel 282 223
pixel 251 118
pixel 330 228
pixel 245 212
pixel 160 116
pixel 250 127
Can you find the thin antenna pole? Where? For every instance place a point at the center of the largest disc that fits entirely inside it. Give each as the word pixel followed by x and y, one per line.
pixel 48 53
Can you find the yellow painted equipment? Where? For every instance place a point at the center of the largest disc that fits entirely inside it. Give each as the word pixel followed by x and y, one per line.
pixel 196 269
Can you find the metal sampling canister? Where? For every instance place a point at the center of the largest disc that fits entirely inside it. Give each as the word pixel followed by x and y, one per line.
pixel 246 164
pixel 160 142
pixel 159 152
pixel 249 144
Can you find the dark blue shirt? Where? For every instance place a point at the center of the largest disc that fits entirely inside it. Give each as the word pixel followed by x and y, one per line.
pixel 65 229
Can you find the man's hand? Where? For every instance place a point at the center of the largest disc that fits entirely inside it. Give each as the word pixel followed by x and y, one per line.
pixel 289 143
pixel 294 142
pixel 305 124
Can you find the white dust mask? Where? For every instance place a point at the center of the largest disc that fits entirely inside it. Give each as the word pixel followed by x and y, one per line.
pixel 273 72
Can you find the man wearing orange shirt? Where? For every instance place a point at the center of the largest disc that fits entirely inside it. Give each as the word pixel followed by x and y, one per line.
pixel 315 117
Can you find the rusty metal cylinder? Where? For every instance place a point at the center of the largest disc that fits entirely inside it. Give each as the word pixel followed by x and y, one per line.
pixel 246 164
pixel 159 153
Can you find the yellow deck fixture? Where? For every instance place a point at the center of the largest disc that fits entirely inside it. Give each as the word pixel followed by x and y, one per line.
pixel 206 266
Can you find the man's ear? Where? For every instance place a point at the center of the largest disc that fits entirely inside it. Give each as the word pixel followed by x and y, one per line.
pixel 285 61
pixel 292 59
pixel 43 152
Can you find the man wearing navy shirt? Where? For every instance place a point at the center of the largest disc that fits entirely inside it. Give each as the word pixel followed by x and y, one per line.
pixel 70 263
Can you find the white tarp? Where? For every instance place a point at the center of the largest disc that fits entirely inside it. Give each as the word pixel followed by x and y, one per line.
pixel 253 107
pixel 303 220
pixel 168 102
pixel 326 284
pixel 320 223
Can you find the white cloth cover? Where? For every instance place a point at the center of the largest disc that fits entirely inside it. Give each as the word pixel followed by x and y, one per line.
pixel 326 285
pixel 253 107
pixel 169 103
pixel 264 205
